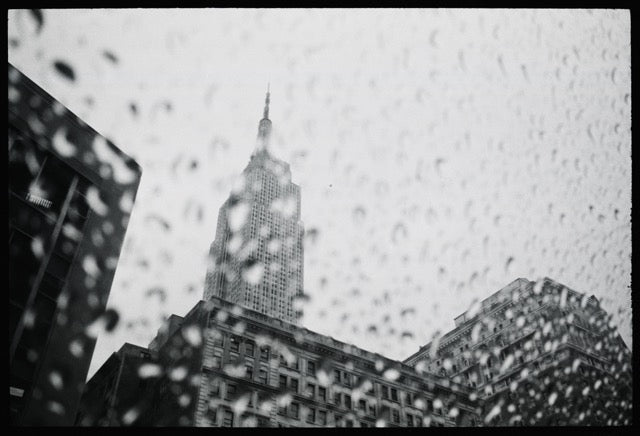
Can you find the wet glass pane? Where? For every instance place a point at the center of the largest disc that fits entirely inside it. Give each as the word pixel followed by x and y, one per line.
pixel 353 218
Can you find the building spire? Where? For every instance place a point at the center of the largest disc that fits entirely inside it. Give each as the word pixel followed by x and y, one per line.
pixel 264 128
pixel 265 114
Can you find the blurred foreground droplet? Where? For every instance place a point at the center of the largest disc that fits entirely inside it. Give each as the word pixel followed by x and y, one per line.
pixel 104 323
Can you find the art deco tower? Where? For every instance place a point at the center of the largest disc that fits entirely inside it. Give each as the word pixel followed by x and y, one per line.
pixel 256 259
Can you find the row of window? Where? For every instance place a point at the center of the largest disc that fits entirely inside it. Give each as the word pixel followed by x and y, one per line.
pixel 340 399
pixel 308 366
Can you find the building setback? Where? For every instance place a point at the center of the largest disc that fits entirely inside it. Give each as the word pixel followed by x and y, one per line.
pixel 70 197
pixel 537 353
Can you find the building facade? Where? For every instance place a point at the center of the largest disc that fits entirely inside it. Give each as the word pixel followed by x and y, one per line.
pixel 70 197
pixel 230 366
pixel 537 353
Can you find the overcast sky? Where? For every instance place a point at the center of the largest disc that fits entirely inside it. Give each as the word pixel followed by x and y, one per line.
pixel 441 153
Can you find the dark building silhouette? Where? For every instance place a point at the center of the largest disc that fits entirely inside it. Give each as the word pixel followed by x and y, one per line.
pixel 238 358
pixel 116 387
pixel 70 197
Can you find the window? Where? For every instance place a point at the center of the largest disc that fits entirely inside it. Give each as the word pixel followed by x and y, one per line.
pixel 372 409
pixel 385 391
pixel 347 401
pixel 263 376
pixel 395 416
pixel 295 410
pixel 294 385
pixel 215 388
pixel 322 417
pixel 394 394
pixel 336 376
pixel 409 399
pixel 283 382
pixel 249 372
pixel 337 398
pixel 311 368
pixel 311 390
pixel 212 415
pixel 264 353
pixel 283 361
pixel 409 420
pixel 311 416
pixel 234 344
pixel 322 393
pixel 249 348
pixel 227 421
pixel 347 379
pixel 231 391
pixel 219 341
pixel 362 405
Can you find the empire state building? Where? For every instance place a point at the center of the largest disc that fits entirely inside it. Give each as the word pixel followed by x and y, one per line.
pixel 256 259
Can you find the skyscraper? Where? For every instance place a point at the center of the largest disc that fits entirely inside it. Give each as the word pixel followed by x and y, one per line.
pixel 70 196
pixel 256 259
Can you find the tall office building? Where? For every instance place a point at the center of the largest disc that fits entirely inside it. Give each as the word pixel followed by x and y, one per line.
pixel 256 259
pixel 70 197
pixel 537 353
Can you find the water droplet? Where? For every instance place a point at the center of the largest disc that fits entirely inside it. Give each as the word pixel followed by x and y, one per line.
pixel 90 266
pixel 508 264
pixel 399 233
pixel 192 335
pixel 359 214
pixel 65 70
pixel 130 416
pixel 61 144
pixel 56 380
pixel 252 272
pixel 178 374
pixel 37 247
pixel 237 215
pixel 391 374
pixel 105 322
pixel 56 407
pixel 94 201
pixel 76 348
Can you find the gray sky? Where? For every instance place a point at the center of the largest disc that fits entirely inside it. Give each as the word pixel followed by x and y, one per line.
pixel 441 153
